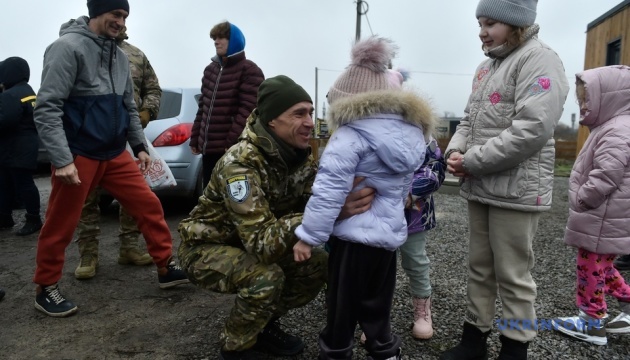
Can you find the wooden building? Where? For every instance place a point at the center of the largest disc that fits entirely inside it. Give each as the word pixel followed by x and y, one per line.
pixel 607 43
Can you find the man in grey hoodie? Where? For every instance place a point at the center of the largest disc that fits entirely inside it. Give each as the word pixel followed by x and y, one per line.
pixel 85 115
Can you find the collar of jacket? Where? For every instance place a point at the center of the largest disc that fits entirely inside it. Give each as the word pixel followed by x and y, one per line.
pixel 229 60
pixel 503 51
pixel 413 108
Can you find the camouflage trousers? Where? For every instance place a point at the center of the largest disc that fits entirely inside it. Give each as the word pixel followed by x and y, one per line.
pixel 88 229
pixel 263 291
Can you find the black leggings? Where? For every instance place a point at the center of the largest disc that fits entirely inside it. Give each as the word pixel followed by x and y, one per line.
pixel 361 287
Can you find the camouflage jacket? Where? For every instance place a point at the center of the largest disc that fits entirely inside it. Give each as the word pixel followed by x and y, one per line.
pixel 253 201
pixel 146 88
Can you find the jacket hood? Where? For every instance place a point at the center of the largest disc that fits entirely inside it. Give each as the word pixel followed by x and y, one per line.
pixel 411 107
pixel 386 119
pixel 236 43
pixel 263 141
pixel 607 93
pixel 13 71
pixel 79 26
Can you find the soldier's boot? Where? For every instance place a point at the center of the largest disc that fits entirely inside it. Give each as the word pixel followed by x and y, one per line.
pixel 130 253
pixel 274 340
pixel 88 250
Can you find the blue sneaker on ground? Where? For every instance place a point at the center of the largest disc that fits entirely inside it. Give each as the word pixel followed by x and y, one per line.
pixel 173 277
pixel 52 303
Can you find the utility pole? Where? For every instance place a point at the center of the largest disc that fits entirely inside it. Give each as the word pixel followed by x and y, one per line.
pixel 316 103
pixel 359 13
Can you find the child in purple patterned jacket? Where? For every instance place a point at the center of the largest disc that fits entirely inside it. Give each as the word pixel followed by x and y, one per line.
pixel 420 215
pixel 420 218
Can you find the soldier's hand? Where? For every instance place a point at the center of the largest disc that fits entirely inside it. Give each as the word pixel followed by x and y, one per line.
pixel 301 251
pixel 68 175
pixel 357 202
pixel 194 150
pixel 145 117
pixel 145 161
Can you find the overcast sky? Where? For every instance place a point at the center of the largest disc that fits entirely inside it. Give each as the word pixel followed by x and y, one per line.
pixel 438 40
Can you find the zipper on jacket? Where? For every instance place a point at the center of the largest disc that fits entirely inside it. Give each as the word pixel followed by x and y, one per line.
pixel 210 108
pixel 112 58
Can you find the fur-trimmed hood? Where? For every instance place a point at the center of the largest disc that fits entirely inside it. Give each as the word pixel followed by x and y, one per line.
pixel 414 109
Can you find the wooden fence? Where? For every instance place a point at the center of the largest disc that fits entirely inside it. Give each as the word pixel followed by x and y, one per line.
pixel 565 150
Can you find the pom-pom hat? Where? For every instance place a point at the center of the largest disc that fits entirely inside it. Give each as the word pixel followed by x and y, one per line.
pixel 367 70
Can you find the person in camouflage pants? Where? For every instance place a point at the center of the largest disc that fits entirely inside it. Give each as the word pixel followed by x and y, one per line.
pixel 147 94
pixel 239 237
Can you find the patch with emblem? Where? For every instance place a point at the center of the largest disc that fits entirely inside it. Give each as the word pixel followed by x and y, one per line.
pixel 238 188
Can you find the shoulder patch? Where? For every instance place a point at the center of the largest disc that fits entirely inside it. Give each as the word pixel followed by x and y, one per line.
pixel 238 188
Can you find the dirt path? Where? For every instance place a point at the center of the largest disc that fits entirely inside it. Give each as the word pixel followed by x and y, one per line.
pixel 122 311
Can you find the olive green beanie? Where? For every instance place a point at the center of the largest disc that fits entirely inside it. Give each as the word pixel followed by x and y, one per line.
pixel 276 95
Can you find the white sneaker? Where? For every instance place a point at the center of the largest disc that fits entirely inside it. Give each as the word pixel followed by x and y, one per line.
pixel 582 327
pixel 619 325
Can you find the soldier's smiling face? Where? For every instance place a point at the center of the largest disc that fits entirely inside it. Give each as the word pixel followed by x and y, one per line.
pixel 294 126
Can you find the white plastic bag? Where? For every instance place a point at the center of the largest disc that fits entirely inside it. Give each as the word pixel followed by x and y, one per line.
pixel 159 174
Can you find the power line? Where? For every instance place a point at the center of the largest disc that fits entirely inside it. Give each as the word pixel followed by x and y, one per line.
pixel 440 73
pixel 414 72
pixel 366 16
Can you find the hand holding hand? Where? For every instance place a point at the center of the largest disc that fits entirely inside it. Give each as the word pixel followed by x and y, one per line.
pixel 301 251
pixel 68 174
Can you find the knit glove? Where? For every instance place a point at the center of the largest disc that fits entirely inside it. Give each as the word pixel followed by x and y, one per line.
pixel 145 117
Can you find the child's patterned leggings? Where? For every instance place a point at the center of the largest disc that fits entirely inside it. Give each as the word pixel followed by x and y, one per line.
pixel 596 276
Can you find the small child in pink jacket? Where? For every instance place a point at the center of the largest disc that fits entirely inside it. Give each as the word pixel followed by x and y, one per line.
pixel 599 194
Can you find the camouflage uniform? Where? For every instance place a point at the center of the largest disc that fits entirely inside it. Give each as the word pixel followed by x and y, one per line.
pixel 147 94
pixel 240 236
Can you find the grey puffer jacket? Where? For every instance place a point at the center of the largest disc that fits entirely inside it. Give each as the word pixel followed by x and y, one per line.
pixel 506 135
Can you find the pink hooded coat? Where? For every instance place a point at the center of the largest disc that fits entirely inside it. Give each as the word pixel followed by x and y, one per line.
pixel 599 187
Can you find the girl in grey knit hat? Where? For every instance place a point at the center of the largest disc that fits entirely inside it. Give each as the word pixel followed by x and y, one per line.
pixel 503 151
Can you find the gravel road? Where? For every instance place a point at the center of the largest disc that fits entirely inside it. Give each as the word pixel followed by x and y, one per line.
pixel 124 315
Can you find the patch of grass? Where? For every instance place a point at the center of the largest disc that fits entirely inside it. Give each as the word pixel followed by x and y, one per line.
pixel 563 167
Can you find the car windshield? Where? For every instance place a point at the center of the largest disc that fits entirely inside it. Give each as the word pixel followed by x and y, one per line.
pixel 170 105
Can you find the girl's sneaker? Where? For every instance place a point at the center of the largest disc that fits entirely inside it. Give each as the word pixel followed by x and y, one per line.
pixel 582 327
pixel 619 325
